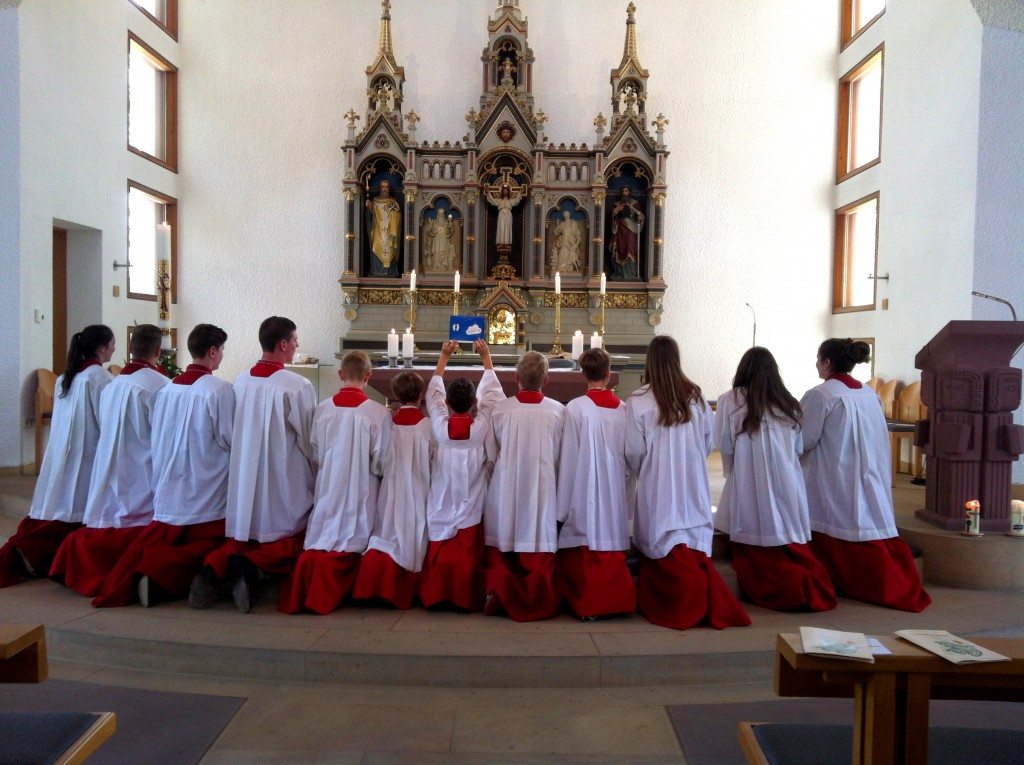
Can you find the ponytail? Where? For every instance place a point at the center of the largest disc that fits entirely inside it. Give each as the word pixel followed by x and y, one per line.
pixel 84 345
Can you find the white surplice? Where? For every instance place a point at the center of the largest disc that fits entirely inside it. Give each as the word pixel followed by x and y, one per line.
pixel 350 444
pixel 192 451
pixel 764 502
pixel 270 481
pixel 521 507
pixel 458 479
pixel 847 463
pixel 121 490
pixel 594 480
pixel 62 489
pixel 673 495
pixel 400 527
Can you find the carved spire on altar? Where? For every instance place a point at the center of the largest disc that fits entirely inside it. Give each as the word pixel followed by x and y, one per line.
pixel 384 77
pixel 629 78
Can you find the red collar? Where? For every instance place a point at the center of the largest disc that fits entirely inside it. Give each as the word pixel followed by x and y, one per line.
pixel 604 398
pixel 192 373
pixel 134 366
pixel 266 368
pixel 846 380
pixel 459 426
pixel 529 396
pixel 89 363
pixel 407 415
pixel 349 397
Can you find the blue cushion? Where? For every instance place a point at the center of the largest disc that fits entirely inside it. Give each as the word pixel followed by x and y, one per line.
pixel 39 738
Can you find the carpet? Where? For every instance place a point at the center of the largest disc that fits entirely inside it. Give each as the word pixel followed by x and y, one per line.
pixel 707 733
pixel 152 726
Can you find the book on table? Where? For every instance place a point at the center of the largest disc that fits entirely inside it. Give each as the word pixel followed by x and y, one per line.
pixel 835 644
pixel 950 647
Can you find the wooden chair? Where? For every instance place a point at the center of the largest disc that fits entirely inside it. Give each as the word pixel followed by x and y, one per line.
pixel 906 414
pixel 46 383
pixel 887 395
pixel 875 383
pixel 114 369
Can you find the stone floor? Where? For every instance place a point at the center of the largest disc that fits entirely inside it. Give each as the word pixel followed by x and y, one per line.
pixel 376 686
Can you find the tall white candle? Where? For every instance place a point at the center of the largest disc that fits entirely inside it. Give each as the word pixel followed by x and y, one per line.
pixel 577 345
pixel 596 341
pixel 458 280
pixel 412 281
pixel 392 345
pixel 558 283
pixel 163 277
pixel 604 283
pixel 408 343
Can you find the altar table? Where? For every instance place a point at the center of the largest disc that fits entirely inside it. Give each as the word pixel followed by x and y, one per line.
pixel 563 384
pixel 891 696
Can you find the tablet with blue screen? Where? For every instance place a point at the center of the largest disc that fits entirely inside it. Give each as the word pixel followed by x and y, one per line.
pixel 466 329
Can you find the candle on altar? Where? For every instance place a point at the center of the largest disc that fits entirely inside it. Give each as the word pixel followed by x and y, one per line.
pixel 412 281
pixel 596 341
pixel 408 343
pixel 972 523
pixel 392 345
pixel 577 345
pixel 604 283
pixel 458 280
pixel 558 283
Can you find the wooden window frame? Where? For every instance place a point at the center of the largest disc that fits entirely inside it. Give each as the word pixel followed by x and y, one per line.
pixel 874 350
pixel 171 218
pixel 846 33
pixel 845 115
pixel 170 109
pixel 840 266
pixel 168 25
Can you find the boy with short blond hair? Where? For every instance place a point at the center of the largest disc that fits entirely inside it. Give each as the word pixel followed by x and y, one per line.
pixel 350 440
pixel 520 511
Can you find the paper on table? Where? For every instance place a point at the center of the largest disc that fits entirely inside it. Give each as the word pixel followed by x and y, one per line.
pixel 835 644
pixel 877 649
pixel 950 647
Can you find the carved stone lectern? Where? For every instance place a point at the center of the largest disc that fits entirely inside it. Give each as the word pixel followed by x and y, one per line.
pixel 969 438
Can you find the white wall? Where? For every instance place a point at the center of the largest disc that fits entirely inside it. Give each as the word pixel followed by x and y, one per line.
pixel 927 176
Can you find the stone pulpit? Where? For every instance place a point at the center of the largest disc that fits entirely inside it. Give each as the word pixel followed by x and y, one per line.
pixel 969 437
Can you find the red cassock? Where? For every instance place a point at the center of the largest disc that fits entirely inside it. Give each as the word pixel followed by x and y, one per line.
pixel 169 555
pixel 521 585
pixel 88 555
pixel 879 571
pixel 783 577
pixel 683 590
pixel 320 582
pixel 277 557
pixel 383 579
pixel 453 571
pixel 38 541
pixel 595 583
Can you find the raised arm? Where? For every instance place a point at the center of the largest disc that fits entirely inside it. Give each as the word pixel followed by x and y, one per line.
pixel 446 353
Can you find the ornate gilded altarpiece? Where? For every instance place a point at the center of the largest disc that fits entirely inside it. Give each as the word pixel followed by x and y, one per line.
pixel 503 206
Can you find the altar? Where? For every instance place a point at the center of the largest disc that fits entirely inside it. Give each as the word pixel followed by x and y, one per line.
pixel 489 223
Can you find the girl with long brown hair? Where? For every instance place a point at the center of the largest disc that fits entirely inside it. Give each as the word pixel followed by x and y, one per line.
pixel 667 446
pixel 763 507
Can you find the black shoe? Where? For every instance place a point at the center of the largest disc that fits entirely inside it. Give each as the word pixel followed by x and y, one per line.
pixel 242 595
pixel 203 591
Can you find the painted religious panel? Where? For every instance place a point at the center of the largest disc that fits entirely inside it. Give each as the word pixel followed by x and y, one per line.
pixel 625 228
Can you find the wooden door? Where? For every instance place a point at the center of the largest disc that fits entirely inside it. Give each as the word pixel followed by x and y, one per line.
pixel 60 299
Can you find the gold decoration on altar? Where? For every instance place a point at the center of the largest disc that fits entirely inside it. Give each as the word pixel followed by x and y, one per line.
pixel 352 117
pixel 501 325
pixel 600 121
pixel 435 297
pixel 412 119
pixel 569 299
pixel 381 297
pixel 503 272
pixel 659 122
pixel 625 300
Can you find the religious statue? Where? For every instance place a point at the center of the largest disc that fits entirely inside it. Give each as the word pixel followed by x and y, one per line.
pixel 566 237
pixel 384 98
pixel 385 224
pixel 439 243
pixel 504 197
pixel 627 223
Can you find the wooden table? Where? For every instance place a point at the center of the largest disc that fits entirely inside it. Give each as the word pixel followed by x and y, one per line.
pixel 22 653
pixel 563 384
pixel 891 696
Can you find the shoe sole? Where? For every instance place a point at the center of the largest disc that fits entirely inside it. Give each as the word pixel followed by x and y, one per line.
pixel 242 596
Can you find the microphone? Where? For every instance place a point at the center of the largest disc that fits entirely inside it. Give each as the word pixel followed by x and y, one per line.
pixel 1007 303
pixel 754 339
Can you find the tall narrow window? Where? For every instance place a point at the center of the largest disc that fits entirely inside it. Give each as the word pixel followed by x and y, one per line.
pixel 147 210
pixel 860 117
pixel 857 16
pixel 152 105
pixel 856 256
pixel 163 13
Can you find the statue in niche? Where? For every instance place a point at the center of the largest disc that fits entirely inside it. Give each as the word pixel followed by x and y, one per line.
pixel 566 237
pixel 627 99
pixel 504 196
pixel 627 223
pixel 440 237
pixel 385 225
pixel 384 98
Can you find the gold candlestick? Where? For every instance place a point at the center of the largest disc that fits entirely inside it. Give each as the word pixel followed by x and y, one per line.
pixel 601 327
pixel 556 346
pixel 411 315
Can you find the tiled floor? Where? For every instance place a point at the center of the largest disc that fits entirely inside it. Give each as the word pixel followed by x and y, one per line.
pixel 594 692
